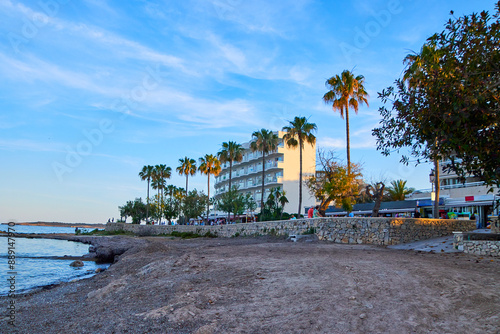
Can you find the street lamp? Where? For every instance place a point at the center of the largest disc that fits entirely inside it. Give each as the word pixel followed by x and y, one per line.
pixel 432 179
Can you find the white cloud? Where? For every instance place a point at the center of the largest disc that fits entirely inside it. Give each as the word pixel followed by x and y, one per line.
pixel 328 142
pixel 30 145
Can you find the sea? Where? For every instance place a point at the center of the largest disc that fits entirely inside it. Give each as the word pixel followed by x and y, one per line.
pixel 36 264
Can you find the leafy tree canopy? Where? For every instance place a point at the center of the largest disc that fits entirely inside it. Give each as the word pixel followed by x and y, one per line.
pixel 333 182
pixel 447 103
pixel 194 204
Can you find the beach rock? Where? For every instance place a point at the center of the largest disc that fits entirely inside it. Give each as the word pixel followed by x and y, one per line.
pixel 76 263
pixel 105 254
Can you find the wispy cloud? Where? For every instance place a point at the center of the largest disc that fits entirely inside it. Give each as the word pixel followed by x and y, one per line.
pixel 30 145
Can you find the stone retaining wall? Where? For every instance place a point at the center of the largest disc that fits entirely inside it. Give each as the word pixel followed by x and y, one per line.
pixel 476 247
pixel 376 231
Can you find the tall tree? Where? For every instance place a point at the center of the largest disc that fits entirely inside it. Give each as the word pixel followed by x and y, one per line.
pixel 230 152
pixel 376 192
pixel 298 132
pixel 264 141
pixel 346 91
pixel 160 174
pixel 419 66
pixel 187 167
pixel 447 103
pixel 332 183
pixel 146 174
pixel 398 190
pixel 194 204
pixel 209 165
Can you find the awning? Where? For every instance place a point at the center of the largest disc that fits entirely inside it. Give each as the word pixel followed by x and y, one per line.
pixel 471 203
pixel 366 212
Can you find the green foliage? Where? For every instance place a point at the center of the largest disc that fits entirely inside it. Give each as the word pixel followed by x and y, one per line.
pixel 398 191
pixel 346 91
pixel 250 203
pixel 232 201
pixel 298 132
pixel 135 209
pixel 264 141
pixel 447 104
pixel 334 183
pixel 104 232
pixel 146 174
pixel 274 205
pixel 209 165
pixel 187 167
pixel 194 204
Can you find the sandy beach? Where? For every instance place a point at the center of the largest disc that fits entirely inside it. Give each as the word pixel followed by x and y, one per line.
pixel 268 285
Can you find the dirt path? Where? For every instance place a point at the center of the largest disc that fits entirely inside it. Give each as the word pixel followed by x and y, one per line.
pixel 263 285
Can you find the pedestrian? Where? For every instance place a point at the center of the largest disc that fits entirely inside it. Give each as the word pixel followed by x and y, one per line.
pixel 310 212
pixel 316 213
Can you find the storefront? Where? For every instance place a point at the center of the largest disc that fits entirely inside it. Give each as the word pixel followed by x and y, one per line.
pixel 482 206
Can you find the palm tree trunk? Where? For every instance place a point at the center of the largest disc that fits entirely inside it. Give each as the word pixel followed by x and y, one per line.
pixel 300 178
pixel 263 176
pixel 230 176
pixel 187 175
pixel 159 202
pixel 348 141
pixel 147 205
pixel 208 192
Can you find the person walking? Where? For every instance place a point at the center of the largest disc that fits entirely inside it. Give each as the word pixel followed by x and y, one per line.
pixel 310 212
pixel 316 212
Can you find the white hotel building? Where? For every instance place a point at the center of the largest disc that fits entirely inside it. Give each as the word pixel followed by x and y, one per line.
pixel 281 170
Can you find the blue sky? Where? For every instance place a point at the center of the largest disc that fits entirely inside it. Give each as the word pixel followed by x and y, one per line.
pixel 93 90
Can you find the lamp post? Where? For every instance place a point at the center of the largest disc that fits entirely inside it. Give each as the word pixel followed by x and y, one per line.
pixel 432 179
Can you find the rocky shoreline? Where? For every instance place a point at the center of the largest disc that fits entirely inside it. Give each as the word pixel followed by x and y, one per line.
pixel 103 249
pixel 265 285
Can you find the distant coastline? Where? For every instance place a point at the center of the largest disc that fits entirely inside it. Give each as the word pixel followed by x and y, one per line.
pixel 59 224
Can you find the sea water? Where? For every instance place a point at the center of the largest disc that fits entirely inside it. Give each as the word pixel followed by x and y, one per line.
pixel 36 264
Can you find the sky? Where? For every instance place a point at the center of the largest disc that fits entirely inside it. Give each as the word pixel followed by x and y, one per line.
pixel 93 90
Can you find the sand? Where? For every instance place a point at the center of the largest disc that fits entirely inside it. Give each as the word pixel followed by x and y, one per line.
pixel 266 285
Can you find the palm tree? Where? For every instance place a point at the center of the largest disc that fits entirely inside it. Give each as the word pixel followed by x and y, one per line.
pixel 264 141
pixel 298 132
pixel 160 174
pixel 187 167
pixel 398 190
pixel 422 65
pixel 230 152
pixel 209 165
pixel 146 174
pixel 346 91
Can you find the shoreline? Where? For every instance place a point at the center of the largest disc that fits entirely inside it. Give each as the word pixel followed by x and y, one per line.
pixel 60 224
pixel 241 285
pixel 102 250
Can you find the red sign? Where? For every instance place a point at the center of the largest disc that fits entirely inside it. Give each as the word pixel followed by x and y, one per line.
pixel 469 198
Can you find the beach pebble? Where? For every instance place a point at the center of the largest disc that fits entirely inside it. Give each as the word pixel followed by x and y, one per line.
pixel 362 316
pixel 76 263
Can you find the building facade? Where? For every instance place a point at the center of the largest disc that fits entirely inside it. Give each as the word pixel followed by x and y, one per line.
pixel 281 171
pixel 461 196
